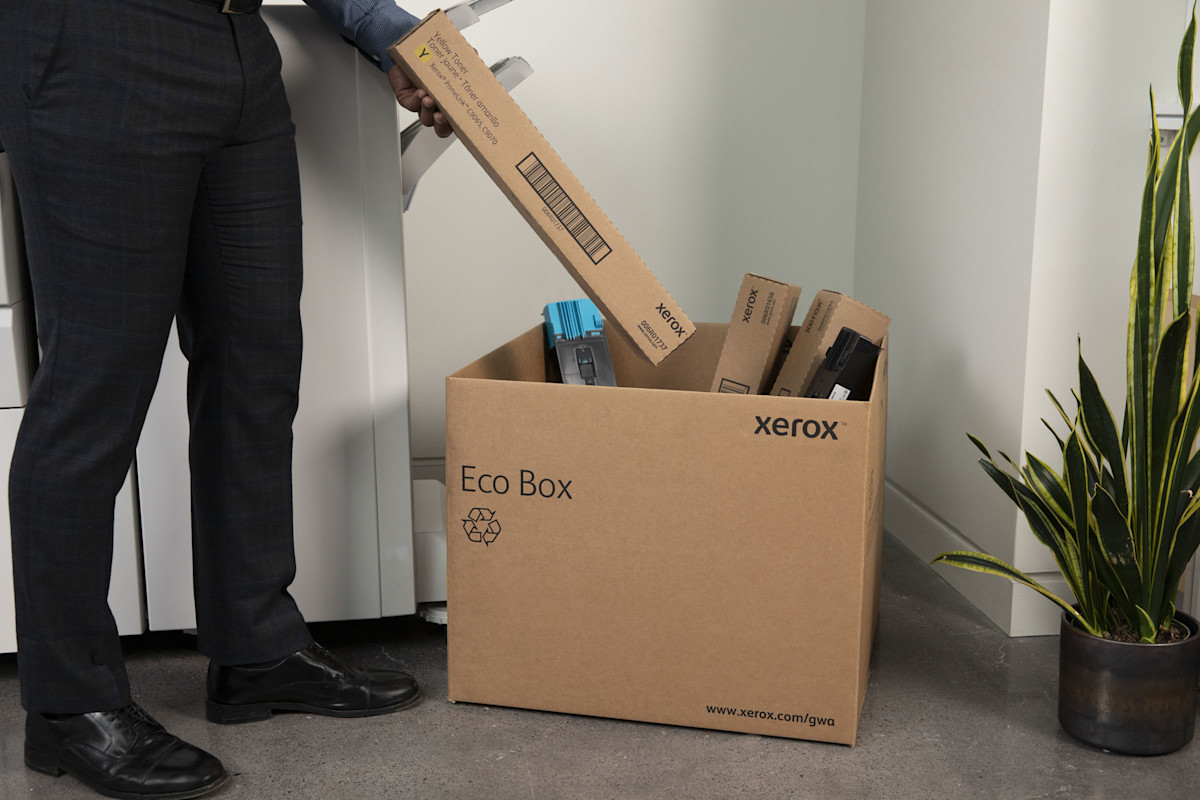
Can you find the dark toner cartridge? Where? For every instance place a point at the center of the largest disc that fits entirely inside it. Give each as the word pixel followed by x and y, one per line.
pixel 575 333
pixel 847 369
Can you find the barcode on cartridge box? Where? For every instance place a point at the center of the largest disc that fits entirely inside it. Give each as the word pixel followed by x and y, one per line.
pixel 561 205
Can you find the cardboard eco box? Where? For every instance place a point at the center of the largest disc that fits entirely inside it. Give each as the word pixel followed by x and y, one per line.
pixel 828 314
pixel 658 552
pixel 508 146
pixel 762 317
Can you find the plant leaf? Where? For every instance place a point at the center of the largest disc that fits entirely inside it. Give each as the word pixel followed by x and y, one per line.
pixel 1001 478
pixel 1116 560
pixel 1191 476
pixel 1101 429
pixel 1184 256
pixel 1046 482
pixel 1165 191
pixel 1147 627
pixel 990 565
pixel 1059 537
pixel 1042 522
pixel 1187 540
pixel 1054 433
pixel 1185 63
pixel 1061 412
pixel 1176 501
pixel 1138 351
pixel 1165 402
pixel 1076 476
pixel 982 447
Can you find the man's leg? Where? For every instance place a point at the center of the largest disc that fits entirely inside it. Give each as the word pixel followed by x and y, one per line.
pixel 239 325
pixel 107 178
pixel 107 110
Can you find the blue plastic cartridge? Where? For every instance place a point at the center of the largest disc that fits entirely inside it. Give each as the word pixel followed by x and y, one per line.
pixel 575 332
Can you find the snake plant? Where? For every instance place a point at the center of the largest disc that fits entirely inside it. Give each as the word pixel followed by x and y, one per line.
pixel 1122 515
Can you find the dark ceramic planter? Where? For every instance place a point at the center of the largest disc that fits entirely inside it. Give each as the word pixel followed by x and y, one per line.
pixel 1138 699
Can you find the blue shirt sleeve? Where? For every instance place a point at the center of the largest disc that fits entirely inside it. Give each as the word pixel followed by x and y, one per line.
pixel 370 25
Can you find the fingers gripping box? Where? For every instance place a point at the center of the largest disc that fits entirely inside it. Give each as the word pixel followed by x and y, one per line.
pixel 521 162
pixel 660 552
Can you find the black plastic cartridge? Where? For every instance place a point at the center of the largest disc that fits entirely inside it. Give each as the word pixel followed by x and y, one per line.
pixel 847 369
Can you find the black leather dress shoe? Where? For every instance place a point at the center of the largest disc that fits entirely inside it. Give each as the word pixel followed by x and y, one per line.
pixel 312 680
pixel 122 753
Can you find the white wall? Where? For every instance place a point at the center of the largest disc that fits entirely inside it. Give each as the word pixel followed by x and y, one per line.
pixel 720 138
pixel 1104 57
pixel 1003 148
pixel 970 168
pixel 952 103
pixel 1102 60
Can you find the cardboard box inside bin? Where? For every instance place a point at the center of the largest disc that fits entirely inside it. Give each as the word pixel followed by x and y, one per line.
pixel 762 318
pixel 658 552
pixel 811 339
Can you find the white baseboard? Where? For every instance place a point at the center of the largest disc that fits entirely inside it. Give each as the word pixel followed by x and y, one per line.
pixel 1016 610
pixel 429 540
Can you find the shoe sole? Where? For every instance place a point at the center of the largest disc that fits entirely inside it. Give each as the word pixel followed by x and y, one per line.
pixel 54 767
pixel 257 712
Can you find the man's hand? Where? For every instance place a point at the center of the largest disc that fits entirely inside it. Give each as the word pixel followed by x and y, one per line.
pixel 414 99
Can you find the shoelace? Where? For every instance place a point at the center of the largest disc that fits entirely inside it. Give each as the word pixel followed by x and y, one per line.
pixel 338 668
pixel 136 718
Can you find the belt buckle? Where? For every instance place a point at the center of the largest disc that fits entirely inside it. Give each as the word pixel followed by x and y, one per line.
pixel 225 9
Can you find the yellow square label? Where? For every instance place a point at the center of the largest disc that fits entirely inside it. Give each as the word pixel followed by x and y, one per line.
pixel 423 54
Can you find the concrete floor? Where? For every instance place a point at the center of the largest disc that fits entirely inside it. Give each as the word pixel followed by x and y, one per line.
pixel 954 709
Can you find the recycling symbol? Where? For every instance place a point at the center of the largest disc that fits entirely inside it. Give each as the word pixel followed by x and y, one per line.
pixel 481 525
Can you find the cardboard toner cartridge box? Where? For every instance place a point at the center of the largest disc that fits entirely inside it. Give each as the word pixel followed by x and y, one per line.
pixel 709 560
pixel 828 314
pixel 509 147
pixel 761 318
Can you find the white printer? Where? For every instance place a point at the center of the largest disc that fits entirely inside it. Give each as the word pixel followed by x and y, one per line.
pixel 17 339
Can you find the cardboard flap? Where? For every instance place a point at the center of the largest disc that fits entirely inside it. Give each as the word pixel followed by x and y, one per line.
pixel 522 359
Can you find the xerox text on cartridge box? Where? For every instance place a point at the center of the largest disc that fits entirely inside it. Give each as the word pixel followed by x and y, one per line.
pixel 538 183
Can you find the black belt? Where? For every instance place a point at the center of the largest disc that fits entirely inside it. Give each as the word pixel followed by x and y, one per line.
pixel 233 6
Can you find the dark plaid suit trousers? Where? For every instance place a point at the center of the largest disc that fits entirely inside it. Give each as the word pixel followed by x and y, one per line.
pixel 153 151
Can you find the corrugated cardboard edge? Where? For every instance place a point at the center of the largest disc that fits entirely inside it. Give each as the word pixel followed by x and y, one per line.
pixel 873 553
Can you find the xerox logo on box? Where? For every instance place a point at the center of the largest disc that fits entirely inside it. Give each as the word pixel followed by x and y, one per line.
pixel 481 525
pixel 808 428
pixel 749 310
pixel 666 314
